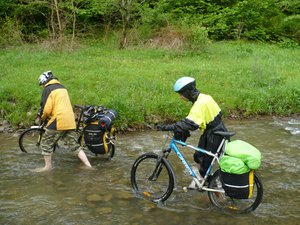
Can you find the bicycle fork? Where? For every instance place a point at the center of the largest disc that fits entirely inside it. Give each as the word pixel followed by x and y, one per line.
pixel 158 167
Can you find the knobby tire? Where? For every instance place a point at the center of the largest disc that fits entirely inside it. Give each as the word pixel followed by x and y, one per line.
pixel 156 190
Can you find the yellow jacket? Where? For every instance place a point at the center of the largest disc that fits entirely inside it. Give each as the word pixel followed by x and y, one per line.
pixel 204 111
pixel 56 107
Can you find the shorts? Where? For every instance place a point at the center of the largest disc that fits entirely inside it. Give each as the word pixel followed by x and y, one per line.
pixel 51 137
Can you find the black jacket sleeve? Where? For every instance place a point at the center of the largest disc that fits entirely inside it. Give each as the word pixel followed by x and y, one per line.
pixel 185 125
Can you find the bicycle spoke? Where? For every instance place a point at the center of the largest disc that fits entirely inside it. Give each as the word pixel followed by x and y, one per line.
pixel 143 183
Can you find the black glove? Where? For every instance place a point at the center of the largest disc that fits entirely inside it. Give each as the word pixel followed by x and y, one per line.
pixel 181 135
pixel 165 127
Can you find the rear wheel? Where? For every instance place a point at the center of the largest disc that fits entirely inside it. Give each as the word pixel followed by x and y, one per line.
pixel 223 201
pixel 152 180
pixel 112 151
pixel 29 140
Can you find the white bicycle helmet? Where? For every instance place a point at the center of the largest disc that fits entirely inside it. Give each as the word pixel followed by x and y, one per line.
pixel 45 77
pixel 183 83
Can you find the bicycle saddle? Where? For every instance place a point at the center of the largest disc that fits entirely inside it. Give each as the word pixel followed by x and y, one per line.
pixel 225 134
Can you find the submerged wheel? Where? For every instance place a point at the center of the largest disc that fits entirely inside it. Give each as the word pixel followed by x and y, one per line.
pixel 29 140
pixel 112 151
pixel 155 186
pixel 223 201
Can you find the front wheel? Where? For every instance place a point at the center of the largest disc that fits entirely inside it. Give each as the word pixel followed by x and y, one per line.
pixel 30 139
pixel 152 179
pixel 223 201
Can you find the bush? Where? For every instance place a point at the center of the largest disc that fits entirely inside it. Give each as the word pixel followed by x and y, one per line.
pixel 291 27
pixel 196 37
pixel 10 33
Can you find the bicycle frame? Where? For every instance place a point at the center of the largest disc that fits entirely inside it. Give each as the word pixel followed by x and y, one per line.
pixel 215 156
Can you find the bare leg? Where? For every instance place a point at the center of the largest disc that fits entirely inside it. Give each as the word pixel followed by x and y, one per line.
pixel 48 164
pixel 82 156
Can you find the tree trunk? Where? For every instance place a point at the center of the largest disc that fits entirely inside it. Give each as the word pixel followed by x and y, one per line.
pixel 125 9
pixel 60 30
pixel 74 24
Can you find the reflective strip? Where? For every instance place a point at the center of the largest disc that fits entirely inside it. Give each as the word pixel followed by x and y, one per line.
pixel 94 145
pixel 233 186
pixel 93 131
pixel 251 179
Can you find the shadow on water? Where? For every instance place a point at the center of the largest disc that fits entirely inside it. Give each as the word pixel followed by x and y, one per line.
pixel 70 194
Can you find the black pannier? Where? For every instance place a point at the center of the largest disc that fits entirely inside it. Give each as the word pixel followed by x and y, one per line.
pixel 97 140
pixel 99 134
pixel 239 186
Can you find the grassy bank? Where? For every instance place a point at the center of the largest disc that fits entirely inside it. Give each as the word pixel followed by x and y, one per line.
pixel 244 78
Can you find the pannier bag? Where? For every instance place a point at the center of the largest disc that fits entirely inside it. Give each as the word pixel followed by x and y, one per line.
pixel 250 155
pixel 233 165
pixel 98 131
pixel 237 169
pixel 238 186
pixel 97 140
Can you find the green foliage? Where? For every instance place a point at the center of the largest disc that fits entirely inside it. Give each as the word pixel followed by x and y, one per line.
pixel 10 33
pixel 196 37
pixel 244 78
pixel 270 20
pixel 291 27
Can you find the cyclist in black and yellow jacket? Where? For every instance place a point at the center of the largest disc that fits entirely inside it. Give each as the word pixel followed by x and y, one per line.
pixel 57 110
pixel 205 115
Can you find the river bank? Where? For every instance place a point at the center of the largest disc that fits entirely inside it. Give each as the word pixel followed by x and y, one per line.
pixel 6 127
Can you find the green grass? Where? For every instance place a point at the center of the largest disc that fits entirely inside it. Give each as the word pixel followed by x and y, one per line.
pixel 244 78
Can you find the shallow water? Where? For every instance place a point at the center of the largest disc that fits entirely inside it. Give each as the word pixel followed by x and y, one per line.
pixel 70 194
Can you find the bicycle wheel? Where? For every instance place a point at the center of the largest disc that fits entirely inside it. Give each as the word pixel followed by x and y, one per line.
pixel 223 201
pixel 153 182
pixel 111 152
pixel 29 140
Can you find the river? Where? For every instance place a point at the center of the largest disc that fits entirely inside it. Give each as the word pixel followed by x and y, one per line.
pixel 72 195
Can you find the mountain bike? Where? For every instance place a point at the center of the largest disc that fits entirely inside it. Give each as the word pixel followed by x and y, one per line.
pixel 30 139
pixel 153 177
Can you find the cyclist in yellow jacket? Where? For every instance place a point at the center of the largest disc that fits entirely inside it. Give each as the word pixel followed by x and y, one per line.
pixel 205 114
pixel 57 110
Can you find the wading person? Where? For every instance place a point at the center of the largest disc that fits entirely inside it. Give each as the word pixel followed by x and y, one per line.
pixel 204 114
pixel 57 110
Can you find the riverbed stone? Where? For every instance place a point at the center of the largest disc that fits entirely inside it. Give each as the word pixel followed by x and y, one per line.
pixel 94 198
pixel 104 210
pixel 107 197
pixel 125 195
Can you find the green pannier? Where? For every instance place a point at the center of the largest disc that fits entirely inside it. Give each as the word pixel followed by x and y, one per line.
pixel 237 167
pixel 242 150
pixel 233 165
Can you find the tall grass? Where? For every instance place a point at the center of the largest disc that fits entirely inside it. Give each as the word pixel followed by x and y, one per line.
pixel 244 78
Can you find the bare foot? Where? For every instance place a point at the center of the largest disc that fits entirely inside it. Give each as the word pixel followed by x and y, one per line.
pixel 42 169
pixel 84 167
